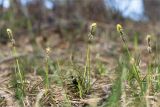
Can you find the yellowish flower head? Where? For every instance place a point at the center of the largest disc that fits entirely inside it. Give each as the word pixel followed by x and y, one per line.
pixel 148 38
pixel 93 24
pixel 132 61
pixel 93 28
pixel 9 31
pixel 119 28
pixel 48 50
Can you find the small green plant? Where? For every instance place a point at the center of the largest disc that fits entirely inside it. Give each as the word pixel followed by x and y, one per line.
pixel 20 81
pixel 101 68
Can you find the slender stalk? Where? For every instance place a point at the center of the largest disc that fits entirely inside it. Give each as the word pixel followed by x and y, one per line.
pixel 46 73
pixel 47 69
pixel 17 62
pixel 89 68
pixel 86 80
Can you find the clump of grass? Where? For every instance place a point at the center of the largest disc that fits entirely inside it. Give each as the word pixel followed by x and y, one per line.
pixel 134 74
pixel 19 77
pixel 83 80
pixel 134 70
pixel 116 92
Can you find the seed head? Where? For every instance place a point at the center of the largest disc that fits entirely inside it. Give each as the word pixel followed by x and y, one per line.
pixel 119 28
pixel 149 48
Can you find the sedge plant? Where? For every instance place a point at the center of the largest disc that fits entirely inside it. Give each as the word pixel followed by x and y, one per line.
pixel 134 71
pixel 84 84
pixel 149 72
pixel 87 73
pixel 20 89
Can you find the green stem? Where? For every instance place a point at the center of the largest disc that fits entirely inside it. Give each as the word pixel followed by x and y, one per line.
pixel 89 68
pixel 17 62
pixel 46 71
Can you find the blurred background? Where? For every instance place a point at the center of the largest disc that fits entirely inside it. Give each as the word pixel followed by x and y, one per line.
pixel 70 18
pixel 36 15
